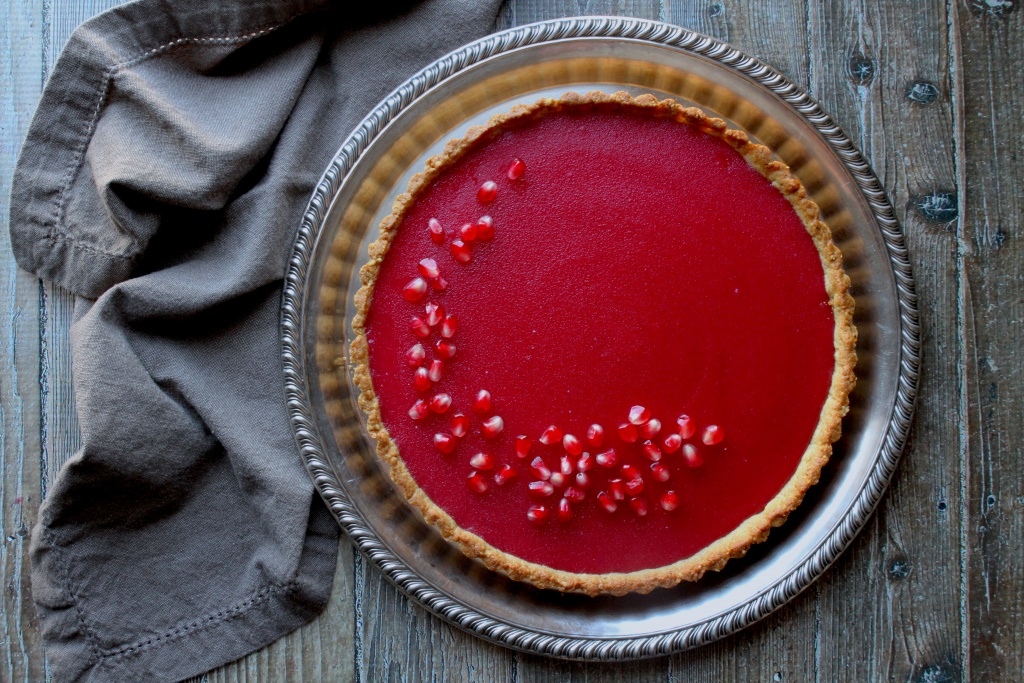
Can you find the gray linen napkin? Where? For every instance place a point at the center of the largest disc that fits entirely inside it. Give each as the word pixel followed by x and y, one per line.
pixel 164 174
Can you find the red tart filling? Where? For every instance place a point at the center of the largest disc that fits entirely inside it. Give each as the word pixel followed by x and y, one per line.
pixel 601 341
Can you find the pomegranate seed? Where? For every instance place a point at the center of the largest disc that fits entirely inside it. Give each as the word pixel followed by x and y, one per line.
pixel 691 455
pixel 540 489
pixel 516 169
pixel 419 410
pixel 564 513
pixel 635 487
pixel 492 426
pixel 630 472
pixel 449 325
pixel 436 367
pixel 460 425
pixel 485 229
pixel 585 463
pixel 504 474
pixel 482 461
pixel 444 443
pixel 574 495
pixel 606 502
pixel 436 231
pixel 523 444
pixel 468 232
pixel 440 403
pixel 461 251
pixel 651 429
pixel 557 479
pixel 607 459
pixel 639 506
pixel 670 501
pixel 551 435
pixel 595 435
pixel 582 480
pixel 487 192
pixel 660 471
pixel 428 268
pixel 712 435
pixel 435 314
pixel 415 290
pixel 415 356
pixel 476 482
pixel 421 380
pixel 439 283
pixel 627 432
pixel 419 327
pixel 445 349
pixel 482 403
pixel 638 415
pixel 572 445
pixel 540 469
pixel 537 514
pixel 565 465
pixel 617 489
pixel 672 443
pixel 651 451
pixel 686 426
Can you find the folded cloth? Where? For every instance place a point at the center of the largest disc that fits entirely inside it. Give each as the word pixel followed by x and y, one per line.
pixel 165 172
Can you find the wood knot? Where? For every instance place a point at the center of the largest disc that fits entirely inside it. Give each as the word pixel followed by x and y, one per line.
pixel 861 69
pixel 716 10
pixel 923 92
pixel 938 207
pixel 935 673
pixel 992 8
pixel 899 568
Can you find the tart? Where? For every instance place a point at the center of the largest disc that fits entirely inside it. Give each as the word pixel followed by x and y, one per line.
pixel 604 343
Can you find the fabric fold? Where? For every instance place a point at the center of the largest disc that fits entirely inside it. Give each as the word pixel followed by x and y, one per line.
pixel 164 175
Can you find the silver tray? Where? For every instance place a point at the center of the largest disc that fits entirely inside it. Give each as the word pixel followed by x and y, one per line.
pixel 374 165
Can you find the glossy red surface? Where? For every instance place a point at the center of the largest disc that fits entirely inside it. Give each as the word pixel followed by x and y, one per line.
pixel 636 261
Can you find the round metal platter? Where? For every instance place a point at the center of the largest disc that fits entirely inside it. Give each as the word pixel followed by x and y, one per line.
pixel 465 88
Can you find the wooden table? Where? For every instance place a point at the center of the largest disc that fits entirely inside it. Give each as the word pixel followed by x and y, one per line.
pixel 933 589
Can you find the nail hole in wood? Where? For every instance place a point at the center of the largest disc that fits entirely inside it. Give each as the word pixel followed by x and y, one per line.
pixel 938 207
pixel 922 92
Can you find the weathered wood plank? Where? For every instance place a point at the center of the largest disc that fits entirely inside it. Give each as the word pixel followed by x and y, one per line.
pixel 890 608
pixel 21 657
pixel 991 80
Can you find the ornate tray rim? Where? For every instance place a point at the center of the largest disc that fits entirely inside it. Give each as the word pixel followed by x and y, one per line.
pixel 311 444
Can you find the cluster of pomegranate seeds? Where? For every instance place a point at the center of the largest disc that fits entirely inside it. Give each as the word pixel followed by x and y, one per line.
pixel 641 469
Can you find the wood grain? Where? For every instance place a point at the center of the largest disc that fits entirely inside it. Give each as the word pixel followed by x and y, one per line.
pixel 890 609
pixel 991 248
pixel 21 82
pixel 933 589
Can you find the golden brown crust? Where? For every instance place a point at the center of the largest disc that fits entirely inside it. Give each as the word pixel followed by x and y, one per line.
pixel 753 530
